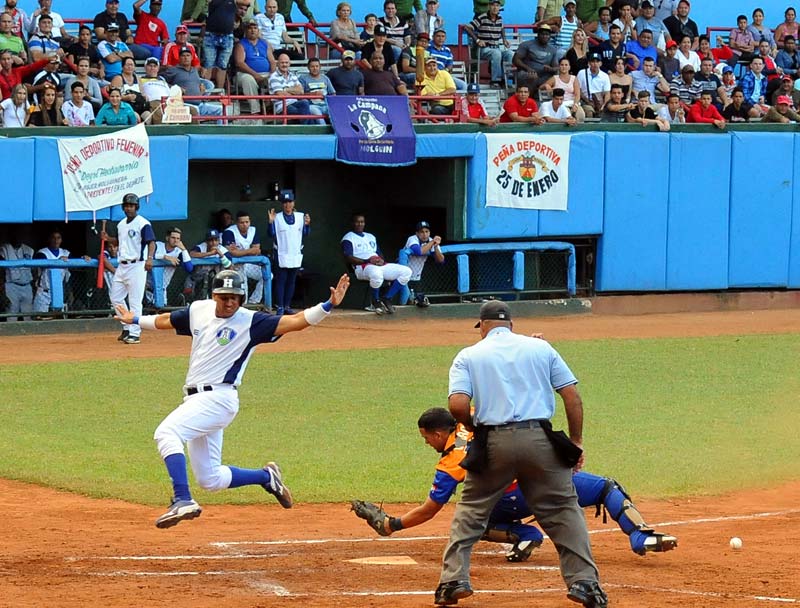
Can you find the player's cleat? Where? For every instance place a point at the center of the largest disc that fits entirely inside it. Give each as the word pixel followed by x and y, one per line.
pixel 387 306
pixel 377 308
pixel 121 338
pixel 422 301
pixel 587 593
pixel 178 511
pixel 276 486
pixel 522 550
pixel 132 340
pixel 448 594
pixel 658 543
pixel 290 311
pixel 279 311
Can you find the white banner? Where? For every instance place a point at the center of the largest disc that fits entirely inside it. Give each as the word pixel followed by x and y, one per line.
pixel 98 171
pixel 527 171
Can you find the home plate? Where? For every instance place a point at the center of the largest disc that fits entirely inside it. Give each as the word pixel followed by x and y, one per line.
pixel 385 560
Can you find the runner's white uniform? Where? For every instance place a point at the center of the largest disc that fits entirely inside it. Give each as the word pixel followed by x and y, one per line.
pixel 131 276
pixel 221 350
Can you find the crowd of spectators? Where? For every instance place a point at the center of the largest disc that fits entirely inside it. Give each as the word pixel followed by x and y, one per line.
pixel 586 50
pixel 634 62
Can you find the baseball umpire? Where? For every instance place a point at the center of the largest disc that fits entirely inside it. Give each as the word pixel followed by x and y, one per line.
pixel 510 379
pixel 133 233
pixel 441 432
pixel 224 335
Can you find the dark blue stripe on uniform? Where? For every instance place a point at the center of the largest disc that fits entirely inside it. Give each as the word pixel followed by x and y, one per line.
pixel 262 329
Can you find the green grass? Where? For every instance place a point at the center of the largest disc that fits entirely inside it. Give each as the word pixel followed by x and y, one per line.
pixel 666 417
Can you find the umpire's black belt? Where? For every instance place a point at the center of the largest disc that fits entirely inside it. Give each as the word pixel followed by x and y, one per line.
pixel 522 424
pixel 129 261
pixel 202 388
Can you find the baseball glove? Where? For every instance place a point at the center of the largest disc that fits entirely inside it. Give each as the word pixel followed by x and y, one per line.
pixel 373 515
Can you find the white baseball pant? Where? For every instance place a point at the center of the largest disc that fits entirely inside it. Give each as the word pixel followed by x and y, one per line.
pixel 129 280
pixel 376 275
pixel 20 299
pixel 199 423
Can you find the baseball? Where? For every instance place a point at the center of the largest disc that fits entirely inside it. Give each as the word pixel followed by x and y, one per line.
pixel 736 543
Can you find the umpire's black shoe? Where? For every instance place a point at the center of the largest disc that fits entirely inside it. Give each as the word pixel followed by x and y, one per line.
pixel 588 593
pixel 448 594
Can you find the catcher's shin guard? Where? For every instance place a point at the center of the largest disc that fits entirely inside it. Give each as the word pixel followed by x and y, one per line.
pixel 642 537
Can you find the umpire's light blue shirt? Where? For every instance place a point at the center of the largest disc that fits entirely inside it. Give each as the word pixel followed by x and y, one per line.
pixel 510 377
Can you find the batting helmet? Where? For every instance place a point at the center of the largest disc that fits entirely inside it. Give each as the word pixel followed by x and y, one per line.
pixel 228 281
pixel 130 199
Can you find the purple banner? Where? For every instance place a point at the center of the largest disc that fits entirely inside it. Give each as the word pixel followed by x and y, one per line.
pixel 373 130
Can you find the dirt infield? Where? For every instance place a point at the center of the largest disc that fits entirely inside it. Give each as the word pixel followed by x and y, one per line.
pixel 60 549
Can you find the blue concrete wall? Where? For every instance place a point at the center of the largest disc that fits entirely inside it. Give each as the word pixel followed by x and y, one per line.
pixel 697 212
pixel 633 248
pixel 761 209
pixel 671 212
pixel 19 167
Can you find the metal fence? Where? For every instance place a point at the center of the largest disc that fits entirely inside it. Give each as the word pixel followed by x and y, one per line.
pixel 72 291
pixel 519 270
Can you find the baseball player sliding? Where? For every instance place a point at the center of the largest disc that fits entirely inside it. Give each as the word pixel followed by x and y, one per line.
pixel 133 233
pixel 440 431
pixel 224 335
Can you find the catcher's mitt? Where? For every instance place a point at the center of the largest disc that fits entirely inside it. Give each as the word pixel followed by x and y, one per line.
pixel 373 514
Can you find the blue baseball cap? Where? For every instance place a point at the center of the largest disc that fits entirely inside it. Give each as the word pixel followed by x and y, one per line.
pixel 286 196
pixel 212 234
pixel 473 88
pixel 423 224
pixel 727 69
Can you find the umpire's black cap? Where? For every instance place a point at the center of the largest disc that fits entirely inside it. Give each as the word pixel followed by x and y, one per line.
pixel 494 310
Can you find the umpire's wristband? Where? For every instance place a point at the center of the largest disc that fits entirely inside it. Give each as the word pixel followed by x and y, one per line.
pixel 395 524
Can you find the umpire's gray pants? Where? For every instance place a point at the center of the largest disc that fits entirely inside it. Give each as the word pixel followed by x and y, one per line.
pixel 527 455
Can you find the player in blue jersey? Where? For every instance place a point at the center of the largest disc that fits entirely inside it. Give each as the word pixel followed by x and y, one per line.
pixel 224 335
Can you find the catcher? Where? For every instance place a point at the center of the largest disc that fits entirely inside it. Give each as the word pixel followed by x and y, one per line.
pixel 440 431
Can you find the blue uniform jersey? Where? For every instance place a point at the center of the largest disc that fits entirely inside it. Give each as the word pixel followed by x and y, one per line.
pixel 221 347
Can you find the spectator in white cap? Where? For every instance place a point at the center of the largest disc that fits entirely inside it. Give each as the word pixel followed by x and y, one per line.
pixel 113 51
pixel 437 83
pixel 346 79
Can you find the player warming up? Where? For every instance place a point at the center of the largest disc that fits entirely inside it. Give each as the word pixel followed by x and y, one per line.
pixel 224 335
pixel 440 431
pixel 133 233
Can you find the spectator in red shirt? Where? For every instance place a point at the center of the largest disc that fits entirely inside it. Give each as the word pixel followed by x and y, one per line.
pixel 475 112
pixel 704 112
pixel 151 32
pixel 172 51
pixel 521 108
pixel 10 76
